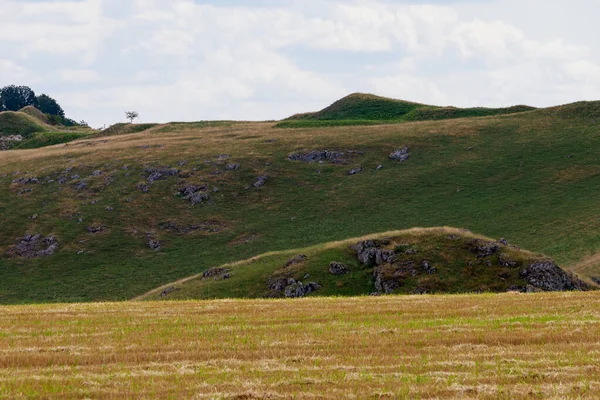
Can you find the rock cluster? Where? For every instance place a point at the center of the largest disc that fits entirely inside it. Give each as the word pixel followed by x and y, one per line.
pixel 194 194
pixel 33 246
pixel 217 273
pixel 336 268
pixel 8 142
pixel 152 243
pixel 289 287
pixel 482 248
pixel 370 253
pixel 160 173
pixel 549 277
pixel 400 155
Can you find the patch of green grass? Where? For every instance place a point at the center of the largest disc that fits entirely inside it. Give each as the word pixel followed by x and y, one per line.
pixel 16 123
pixel 123 129
pixel 43 139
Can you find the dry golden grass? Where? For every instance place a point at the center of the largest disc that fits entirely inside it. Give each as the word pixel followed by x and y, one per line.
pixel 478 346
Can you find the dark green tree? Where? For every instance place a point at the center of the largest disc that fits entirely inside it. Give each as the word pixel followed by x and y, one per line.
pixel 48 105
pixel 13 98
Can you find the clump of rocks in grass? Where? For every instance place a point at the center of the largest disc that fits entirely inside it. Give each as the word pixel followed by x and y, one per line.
pixel 400 155
pixel 34 246
pixel 289 287
pixel 217 273
pixel 152 242
pixel 194 194
pixel 332 156
pixel 336 268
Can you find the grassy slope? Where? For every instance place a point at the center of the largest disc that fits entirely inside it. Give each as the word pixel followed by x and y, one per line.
pixel 367 109
pixel 489 346
pixel 31 124
pixel 531 177
pixel 20 123
pixel 449 256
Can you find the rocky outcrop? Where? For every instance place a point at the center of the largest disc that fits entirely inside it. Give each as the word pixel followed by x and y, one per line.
pixel 217 273
pixel 289 287
pixel 549 277
pixel 8 142
pixel 296 289
pixel 152 242
pixel 332 156
pixel 482 248
pixel 34 246
pixel 160 173
pixel 370 252
pixel 400 155
pixel 336 268
pixel 194 194
pixel 27 181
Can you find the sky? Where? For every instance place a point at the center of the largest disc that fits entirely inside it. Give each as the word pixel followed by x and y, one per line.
pixel 191 60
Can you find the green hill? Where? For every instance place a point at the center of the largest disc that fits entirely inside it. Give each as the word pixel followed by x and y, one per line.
pixel 19 123
pixel 363 109
pixel 118 216
pixel 435 260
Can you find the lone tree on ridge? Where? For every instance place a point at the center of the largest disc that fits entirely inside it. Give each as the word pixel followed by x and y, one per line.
pixel 131 115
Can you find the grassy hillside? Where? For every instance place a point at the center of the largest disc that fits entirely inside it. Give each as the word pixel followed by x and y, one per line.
pixel 19 123
pixel 368 109
pixel 31 124
pixel 124 223
pixel 490 346
pixel 435 260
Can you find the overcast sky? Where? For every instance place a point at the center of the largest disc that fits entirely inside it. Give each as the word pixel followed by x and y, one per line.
pixel 188 60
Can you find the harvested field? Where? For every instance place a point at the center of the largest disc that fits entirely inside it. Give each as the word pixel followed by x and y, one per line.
pixel 467 346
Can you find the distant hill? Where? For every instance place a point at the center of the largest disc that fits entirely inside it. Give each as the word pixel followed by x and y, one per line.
pixel 360 109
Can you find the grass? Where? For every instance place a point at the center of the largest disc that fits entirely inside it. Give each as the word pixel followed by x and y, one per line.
pixel 367 109
pixel 43 139
pixel 17 123
pixel 530 177
pixel 467 346
pixel 457 269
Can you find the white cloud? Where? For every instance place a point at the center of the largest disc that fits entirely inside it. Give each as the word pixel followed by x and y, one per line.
pixel 187 60
pixel 79 75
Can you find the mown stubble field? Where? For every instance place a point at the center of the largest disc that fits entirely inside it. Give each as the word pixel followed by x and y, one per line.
pixel 467 346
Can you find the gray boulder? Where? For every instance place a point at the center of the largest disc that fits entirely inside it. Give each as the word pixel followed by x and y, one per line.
pixel 260 181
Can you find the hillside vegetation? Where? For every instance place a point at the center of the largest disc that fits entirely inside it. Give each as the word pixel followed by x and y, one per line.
pixel 367 109
pixel 111 218
pixel 488 346
pixel 416 261
pixel 28 128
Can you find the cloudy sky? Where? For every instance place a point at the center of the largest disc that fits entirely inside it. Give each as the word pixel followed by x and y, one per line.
pixel 188 60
